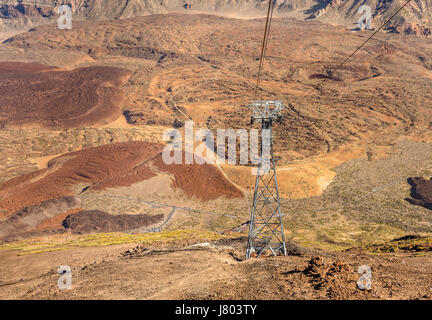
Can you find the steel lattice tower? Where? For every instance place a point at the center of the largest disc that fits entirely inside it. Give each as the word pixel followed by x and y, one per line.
pixel 266 228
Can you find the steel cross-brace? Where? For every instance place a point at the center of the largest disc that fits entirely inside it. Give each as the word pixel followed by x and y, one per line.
pixel 266 229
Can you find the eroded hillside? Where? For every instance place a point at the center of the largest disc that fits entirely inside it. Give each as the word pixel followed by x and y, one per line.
pixel 23 14
pixel 349 143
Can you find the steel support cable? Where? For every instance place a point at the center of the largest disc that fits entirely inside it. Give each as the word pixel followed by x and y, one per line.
pixel 264 44
pixel 267 32
pixel 361 46
pixel 348 87
pixel 337 68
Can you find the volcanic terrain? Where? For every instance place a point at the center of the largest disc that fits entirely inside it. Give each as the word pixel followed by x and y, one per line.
pixel 59 99
pixel 83 182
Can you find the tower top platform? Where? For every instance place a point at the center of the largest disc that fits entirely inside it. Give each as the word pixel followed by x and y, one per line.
pixel 266 110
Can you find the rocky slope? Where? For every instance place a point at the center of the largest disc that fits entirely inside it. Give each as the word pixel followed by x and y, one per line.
pixel 415 16
pixel 197 65
pixel 22 14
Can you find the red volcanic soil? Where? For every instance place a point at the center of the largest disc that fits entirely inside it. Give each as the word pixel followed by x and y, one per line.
pixel 63 214
pixel 202 181
pixel 26 219
pixel 47 96
pixel 108 166
pixel 55 222
pixel 89 221
pixel 99 167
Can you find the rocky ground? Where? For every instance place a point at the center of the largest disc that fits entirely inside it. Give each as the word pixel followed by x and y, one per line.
pixel 215 271
pixel 354 173
pixel 25 14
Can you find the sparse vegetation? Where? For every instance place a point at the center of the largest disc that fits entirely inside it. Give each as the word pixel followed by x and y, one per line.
pixel 56 243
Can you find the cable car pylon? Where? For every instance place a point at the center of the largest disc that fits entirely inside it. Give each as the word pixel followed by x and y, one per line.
pixel 266 230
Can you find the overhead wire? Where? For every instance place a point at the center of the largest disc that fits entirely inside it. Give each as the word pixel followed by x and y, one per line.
pixel 264 49
pixel 359 47
pixel 264 45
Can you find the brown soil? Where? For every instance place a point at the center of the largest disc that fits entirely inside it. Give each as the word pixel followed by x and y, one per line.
pixel 55 222
pixel 336 278
pixel 197 64
pixel 99 167
pixel 421 192
pixel 209 73
pixel 202 181
pixel 177 271
pixel 59 99
pixel 89 221
pixel 26 219
pixel 111 166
